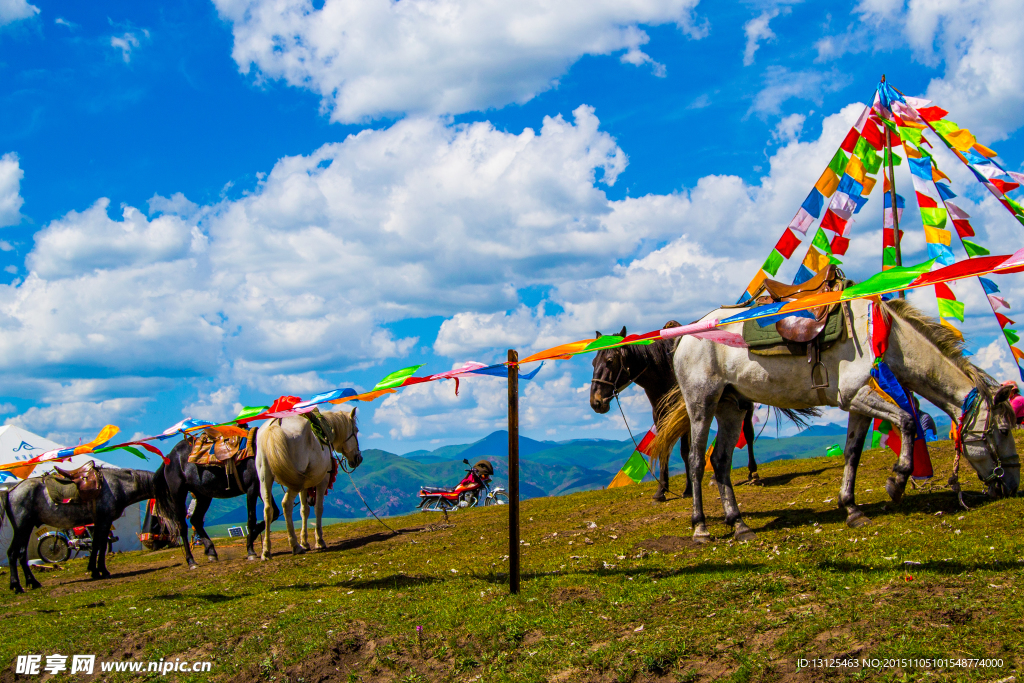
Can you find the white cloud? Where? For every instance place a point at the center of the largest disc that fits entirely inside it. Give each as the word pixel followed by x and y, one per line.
pixel 10 190
pixel 996 360
pixel 16 10
pixel 125 43
pixel 756 30
pixel 789 128
pixel 781 85
pixel 67 422
pixel 975 42
pixel 219 405
pixel 382 58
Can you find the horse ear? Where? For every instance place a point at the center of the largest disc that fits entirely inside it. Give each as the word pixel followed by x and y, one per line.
pixel 623 332
pixel 1004 393
pixel 598 333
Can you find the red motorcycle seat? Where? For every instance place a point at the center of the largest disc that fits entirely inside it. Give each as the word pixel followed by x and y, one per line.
pixel 437 489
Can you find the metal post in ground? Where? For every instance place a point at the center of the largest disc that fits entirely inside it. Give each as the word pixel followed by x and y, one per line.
pixel 513 471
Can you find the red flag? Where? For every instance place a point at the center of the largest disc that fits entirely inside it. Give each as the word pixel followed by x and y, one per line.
pixel 283 403
pixel 787 243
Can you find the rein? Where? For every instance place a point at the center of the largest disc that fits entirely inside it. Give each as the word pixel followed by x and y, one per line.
pixel 966 433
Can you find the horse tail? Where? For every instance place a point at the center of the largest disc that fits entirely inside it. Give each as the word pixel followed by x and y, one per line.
pixel 163 498
pixel 673 425
pixel 4 509
pixel 273 446
pixel 800 417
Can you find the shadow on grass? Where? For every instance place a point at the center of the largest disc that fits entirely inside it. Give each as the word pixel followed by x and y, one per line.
pixel 781 479
pixel 391 581
pixel 123 575
pixel 360 541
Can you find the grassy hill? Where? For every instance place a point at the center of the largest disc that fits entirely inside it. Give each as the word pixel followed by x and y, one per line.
pixel 390 482
pixel 613 590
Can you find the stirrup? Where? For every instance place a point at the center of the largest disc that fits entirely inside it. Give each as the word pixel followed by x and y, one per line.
pixel 825 370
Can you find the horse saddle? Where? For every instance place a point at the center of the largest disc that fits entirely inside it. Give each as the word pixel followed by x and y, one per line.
pixel 211 448
pixel 81 485
pixel 797 328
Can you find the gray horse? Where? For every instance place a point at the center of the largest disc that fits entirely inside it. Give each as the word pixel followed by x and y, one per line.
pixel 924 356
pixel 28 505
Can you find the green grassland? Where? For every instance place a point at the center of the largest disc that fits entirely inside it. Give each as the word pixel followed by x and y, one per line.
pixel 613 590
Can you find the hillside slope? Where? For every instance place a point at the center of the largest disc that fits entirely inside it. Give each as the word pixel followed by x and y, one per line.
pixel 613 590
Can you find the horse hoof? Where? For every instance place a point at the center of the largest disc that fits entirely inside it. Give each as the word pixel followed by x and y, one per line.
pixel 212 558
pixel 265 558
pixel 298 550
pixel 17 589
pixel 252 557
pixel 893 490
pixel 193 565
pixel 659 498
pixel 743 533
pixel 702 538
pixel 35 584
pixel 688 493
pixel 857 519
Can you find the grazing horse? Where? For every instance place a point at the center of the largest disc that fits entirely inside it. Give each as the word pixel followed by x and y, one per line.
pixel 179 477
pixel 650 367
pixel 28 505
pixel 926 358
pixel 290 452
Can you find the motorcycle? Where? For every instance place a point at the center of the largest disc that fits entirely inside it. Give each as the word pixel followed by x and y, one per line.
pixel 465 495
pixel 57 546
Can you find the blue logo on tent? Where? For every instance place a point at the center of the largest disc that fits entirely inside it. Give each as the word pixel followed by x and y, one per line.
pixel 25 446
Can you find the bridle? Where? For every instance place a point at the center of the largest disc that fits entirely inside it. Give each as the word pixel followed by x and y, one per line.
pixel 966 433
pixel 614 384
pixel 324 433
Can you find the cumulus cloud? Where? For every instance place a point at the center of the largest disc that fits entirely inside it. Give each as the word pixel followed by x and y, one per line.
pixel 126 42
pixel 756 30
pixel 976 43
pixel 65 422
pixel 382 58
pixel 10 190
pixel 16 10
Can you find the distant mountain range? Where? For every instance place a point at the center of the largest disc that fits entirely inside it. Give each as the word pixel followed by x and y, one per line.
pixel 390 482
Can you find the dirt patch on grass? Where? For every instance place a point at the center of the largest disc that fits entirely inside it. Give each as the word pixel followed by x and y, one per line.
pixel 667 544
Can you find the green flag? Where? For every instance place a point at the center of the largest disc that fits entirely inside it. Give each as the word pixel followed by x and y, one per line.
pixel 951 309
pixel 636 467
pixel 975 249
pixel 396 378
pixel 935 218
pixel 772 264
pixel 1012 336
pixel 250 411
pixel 891 279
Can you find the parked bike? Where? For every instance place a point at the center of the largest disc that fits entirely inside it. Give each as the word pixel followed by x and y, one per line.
pixel 466 494
pixel 58 546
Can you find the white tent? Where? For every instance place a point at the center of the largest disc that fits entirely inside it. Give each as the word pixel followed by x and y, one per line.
pixel 17 444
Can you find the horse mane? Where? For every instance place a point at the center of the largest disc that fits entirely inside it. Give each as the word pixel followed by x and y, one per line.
pixel 949 344
pixel 339 419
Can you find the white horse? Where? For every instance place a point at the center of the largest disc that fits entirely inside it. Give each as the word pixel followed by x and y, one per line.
pixel 289 452
pixel 926 357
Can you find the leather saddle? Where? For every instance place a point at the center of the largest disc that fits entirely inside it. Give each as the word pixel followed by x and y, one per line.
pixel 86 480
pixel 212 449
pixel 797 328
pixel 813 332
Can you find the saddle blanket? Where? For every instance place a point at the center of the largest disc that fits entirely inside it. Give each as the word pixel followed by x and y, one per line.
pixel 767 340
pixel 213 449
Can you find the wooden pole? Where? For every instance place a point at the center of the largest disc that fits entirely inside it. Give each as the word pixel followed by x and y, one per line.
pixel 895 212
pixel 513 472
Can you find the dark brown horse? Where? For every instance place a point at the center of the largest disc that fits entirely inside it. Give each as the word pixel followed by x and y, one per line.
pixel 650 367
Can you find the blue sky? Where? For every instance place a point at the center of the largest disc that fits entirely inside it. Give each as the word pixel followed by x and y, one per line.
pixel 207 205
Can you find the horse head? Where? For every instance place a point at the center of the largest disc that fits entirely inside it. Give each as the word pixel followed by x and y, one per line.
pixel 986 437
pixel 346 439
pixel 610 377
